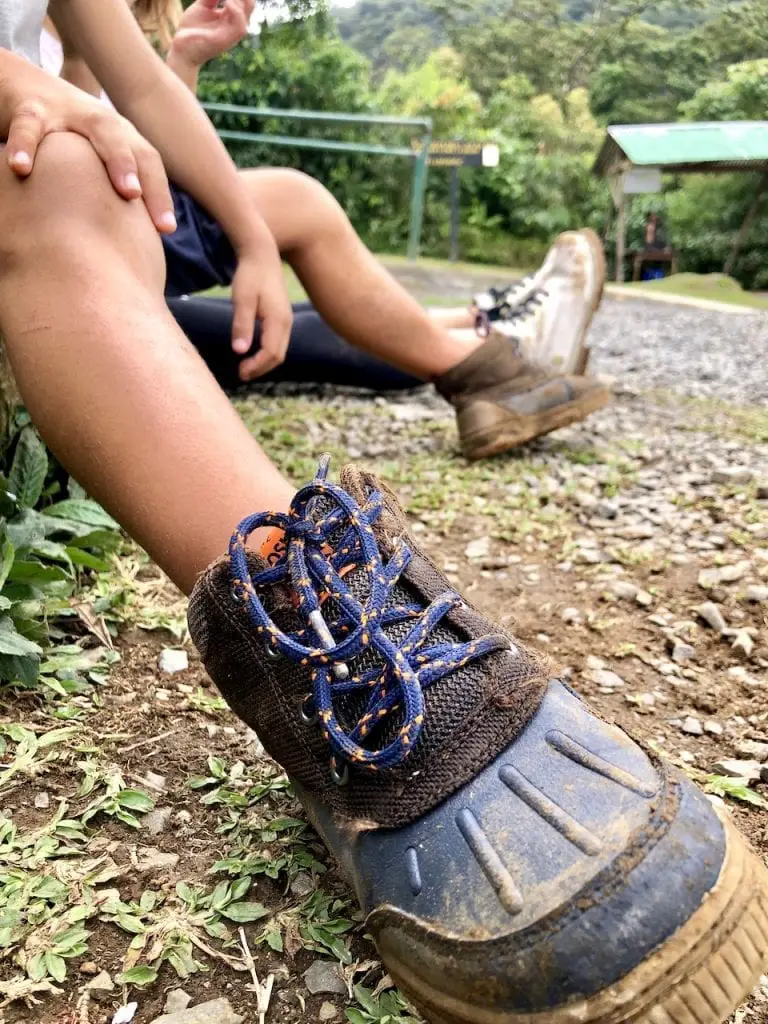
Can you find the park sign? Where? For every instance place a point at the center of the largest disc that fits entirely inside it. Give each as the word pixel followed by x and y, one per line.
pixel 461 153
pixel 452 155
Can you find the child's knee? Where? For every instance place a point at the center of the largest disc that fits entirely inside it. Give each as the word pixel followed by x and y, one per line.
pixel 68 198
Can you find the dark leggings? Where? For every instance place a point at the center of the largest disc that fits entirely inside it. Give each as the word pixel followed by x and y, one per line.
pixel 315 355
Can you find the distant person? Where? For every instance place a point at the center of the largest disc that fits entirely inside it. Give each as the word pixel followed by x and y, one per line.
pixel 656 238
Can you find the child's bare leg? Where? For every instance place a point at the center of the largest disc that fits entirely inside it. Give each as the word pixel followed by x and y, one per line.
pixel 349 288
pixel 116 390
pixel 453 319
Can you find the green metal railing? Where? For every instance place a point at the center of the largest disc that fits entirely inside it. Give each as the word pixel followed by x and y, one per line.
pixel 419 153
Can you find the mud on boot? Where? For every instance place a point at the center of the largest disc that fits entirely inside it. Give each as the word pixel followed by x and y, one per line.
pixel 519 860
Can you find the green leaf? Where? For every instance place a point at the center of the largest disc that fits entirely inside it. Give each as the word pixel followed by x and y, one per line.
pixel 36 967
pixel 56 966
pixel 274 940
pixel 12 642
pixel 86 560
pixel 240 888
pixel 138 976
pixel 35 573
pixel 29 469
pixel 26 529
pixel 14 669
pixel 135 800
pixel 244 912
pixel 83 510
pixel 7 555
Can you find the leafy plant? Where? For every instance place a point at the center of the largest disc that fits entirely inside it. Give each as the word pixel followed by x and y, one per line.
pixel 387 1008
pixel 736 789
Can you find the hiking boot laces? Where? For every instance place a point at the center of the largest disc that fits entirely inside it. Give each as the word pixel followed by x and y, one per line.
pixel 321 547
pixel 499 298
pixel 511 319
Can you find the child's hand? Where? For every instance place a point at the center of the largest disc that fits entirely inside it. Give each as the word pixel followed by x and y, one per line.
pixel 34 104
pixel 207 30
pixel 259 293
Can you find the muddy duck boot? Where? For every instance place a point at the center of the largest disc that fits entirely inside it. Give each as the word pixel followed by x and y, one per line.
pixel 519 860
pixel 503 400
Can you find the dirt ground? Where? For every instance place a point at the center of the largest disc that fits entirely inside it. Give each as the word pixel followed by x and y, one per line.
pixel 599 546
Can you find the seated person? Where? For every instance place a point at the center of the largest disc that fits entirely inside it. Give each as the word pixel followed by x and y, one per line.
pixel 331 339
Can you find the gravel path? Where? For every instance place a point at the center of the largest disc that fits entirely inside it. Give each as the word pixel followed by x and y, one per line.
pixel 649 345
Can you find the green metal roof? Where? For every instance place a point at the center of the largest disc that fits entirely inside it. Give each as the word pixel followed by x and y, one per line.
pixel 706 147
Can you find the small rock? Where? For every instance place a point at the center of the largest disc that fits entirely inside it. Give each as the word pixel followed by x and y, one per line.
pixel 183 817
pixel 743 644
pixel 302 884
pixel 125 1014
pixel 172 661
pixel 328 1012
pixel 478 549
pixel 89 967
pixel 607 509
pixel 682 652
pixel 157 821
pixel 757 595
pixel 177 1001
pixel 154 781
pixel 42 801
pixel 644 599
pixel 324 978
pixel 150 859
pixel 749 770
pixel 219 1011
pixel 604 677
pixel 692 726
pixel 733 475
pixel 570 615
pixel 712 615
pixel 753 749
pixel 101 987
pixel 624 590
pixel 734 573
pixel 709 578
pixel 714 728
pixel 594 663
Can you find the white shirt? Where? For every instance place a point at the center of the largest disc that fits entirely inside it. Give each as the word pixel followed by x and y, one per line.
pixel 52 56
pixel 20 25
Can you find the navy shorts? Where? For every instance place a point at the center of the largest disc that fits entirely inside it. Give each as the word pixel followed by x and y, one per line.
pixel 198 254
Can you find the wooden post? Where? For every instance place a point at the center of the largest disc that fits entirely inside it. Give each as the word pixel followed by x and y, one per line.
pixel 620 202
pixel 621 239
pixel 744 230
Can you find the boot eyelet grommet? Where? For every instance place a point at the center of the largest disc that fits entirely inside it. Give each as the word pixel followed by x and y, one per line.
pixel 308 713
pixel 273 653
pixel 236 599
pixel 339 777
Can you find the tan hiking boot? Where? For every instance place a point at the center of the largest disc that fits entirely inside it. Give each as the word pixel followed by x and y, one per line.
pixel 502 400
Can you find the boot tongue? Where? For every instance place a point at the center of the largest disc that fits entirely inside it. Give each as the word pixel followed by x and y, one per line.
pixel 391 524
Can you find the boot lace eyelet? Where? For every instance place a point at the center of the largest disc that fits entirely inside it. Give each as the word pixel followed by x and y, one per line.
pixel 308 713
pixel 339 776
pixel 273 653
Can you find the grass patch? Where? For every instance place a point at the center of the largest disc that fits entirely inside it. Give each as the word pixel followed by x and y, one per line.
pixel 712 287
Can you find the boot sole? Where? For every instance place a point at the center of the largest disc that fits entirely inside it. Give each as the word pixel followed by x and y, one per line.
pixel 598 253
pixel 699 976
pixel 504 438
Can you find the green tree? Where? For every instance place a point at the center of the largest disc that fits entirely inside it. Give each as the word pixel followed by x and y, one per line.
pixel 741 96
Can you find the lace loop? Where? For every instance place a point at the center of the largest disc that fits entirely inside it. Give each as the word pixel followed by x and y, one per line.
pixel 319 549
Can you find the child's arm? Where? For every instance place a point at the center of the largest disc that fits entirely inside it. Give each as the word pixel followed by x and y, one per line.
pixel 157 103
pixel 204 33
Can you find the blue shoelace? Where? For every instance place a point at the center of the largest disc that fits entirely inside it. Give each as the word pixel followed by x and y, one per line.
pixel 317 550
